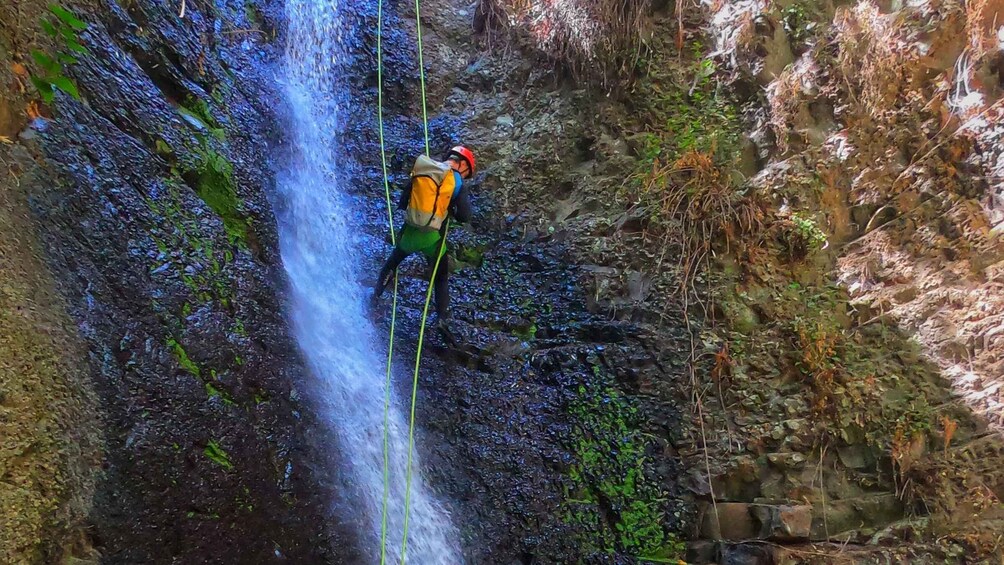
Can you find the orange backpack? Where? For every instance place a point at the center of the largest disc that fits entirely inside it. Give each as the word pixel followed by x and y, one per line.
pixel 432 187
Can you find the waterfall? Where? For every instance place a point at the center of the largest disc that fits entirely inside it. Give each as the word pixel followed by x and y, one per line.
pixel 319 246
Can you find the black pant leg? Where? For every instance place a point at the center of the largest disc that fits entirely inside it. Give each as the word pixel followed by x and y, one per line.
pixel 389 266
pixel 442 289
pixel 441 286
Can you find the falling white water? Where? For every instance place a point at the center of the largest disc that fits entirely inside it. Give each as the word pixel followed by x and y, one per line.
pixel 316 232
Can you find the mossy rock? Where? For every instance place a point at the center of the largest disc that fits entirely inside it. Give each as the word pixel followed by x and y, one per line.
pixel 741 318
pixel 197 113
pixel 215 184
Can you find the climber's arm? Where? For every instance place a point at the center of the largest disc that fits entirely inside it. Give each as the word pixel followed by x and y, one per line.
pixel 460 207
pixel 402 203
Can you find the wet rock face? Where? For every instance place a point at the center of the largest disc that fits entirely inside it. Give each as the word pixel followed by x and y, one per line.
pixel 551 431
pixel 539 387
pixel 149 194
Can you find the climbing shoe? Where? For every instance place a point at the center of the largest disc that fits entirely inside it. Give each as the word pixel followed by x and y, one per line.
pixel 378 290
pixel 443 327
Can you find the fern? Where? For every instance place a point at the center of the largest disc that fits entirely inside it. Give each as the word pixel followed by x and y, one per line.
pixel 65 26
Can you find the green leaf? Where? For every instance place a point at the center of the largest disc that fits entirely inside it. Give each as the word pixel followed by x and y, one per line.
pixel 67 86
pixel 44 88
pixel 216 454
pixel 49 29
pixel 67 17
pixel 46 62
pixel 76 46
pixel 66 59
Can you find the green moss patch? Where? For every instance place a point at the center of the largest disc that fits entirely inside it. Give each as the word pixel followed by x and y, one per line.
pixel 178 236
pixel 685 110
pixel 183 360
pixel 212 391
pixel 216 186
pixel 197 110
pixel 609 493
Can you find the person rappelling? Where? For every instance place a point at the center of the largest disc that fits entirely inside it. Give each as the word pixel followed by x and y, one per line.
pixel 434 195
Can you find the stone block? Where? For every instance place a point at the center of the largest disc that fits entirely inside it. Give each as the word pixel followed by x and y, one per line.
pixel 732 521
pixel 702 552
pixel 783 522
pixel 736 521
pixel 866 512
pixel 856 457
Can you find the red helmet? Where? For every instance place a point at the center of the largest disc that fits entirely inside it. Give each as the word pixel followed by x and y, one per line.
pixel 465 154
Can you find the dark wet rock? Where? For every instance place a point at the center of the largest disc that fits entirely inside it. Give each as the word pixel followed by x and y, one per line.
pixel 207 437
pixel 496 411
pixel 206 446
pixel 740 521
pixel 745 554
pixel 742 483
pixel 856 456
pixel 702 551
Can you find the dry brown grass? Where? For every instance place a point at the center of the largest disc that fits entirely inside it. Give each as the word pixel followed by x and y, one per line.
pixel 785 99
pixel 695 205
pixel 817 345
pixel 870 58
pixel 983 18
pixel 584 36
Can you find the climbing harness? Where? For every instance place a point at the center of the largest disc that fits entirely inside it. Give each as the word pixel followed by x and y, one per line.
pixel 428 294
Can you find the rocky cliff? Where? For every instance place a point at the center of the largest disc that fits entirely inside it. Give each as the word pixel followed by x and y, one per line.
pixel 135 190
pixel 815 185
pixel 732 281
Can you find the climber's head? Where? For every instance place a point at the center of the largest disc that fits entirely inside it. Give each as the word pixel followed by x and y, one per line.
pixel 462 160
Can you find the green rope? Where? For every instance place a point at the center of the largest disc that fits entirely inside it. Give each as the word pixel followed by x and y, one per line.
pixel 393 310
pixel 414 387
pixel 393 319
pixel 386 433
pixel 421 71
pixel 428 297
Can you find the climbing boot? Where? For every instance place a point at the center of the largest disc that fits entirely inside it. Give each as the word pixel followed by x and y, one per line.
pixel 443 327
pixel 378 289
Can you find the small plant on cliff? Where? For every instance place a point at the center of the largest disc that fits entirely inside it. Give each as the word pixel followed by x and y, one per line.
pixel 809 231
pixel 217 455
pixel 818 340
pixel 63 26
pixel 908 444
pixel 694 200
pixel 798 24
pixel 801 235
pixel 685 179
